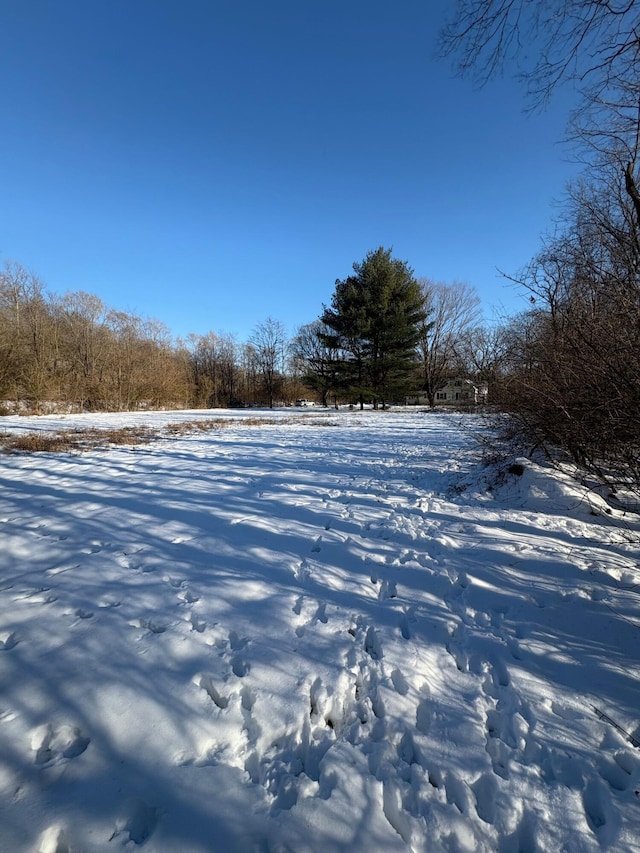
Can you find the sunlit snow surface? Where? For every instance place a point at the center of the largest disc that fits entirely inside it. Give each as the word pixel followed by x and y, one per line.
pixel 324 634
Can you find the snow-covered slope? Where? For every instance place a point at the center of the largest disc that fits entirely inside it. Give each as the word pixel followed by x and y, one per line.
pixel 323 634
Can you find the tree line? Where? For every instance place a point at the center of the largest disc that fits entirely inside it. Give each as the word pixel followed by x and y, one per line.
pixel 386 335
pixel 74 353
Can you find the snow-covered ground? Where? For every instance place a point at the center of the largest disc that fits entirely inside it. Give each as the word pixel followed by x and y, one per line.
pixel 322 634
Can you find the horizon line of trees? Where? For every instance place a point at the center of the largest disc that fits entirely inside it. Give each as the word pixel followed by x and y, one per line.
pixel 386 336
pixel 567 370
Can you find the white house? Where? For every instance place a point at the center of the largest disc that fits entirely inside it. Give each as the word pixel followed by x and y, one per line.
pixel 461 391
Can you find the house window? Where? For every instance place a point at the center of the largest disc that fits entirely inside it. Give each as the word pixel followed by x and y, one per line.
pixel 441 395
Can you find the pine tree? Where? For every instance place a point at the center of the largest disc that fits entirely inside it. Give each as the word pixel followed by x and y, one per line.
pixel 375 320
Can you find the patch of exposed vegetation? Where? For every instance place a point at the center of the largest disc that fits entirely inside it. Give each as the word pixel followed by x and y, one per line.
pixel 79 440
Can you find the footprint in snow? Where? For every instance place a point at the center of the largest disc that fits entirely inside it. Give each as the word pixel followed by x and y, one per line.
pixel 302 571
pixel 107 602
pixel 399 682
pixel 321 613
pixel 485 790
pixel 198 625
pixel 237 643
pixel 387 590
pixel 138 820
pixel 54 840
pixel 151 625
pixel 372 644
pixel 38 596
pixel 218 699
pixel 188 597
pixel 515 650
pixel 83 614
pixel 56 743
pixel 406 620
pixel 239 666
pixel 425 711
pixel 597 808
pixel 8 641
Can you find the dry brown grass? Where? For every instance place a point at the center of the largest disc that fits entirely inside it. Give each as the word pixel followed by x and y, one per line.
pixel 79 440
pixel 36 442
pixel 72 439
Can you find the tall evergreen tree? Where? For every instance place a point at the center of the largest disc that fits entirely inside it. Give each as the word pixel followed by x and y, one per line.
pixel 375 320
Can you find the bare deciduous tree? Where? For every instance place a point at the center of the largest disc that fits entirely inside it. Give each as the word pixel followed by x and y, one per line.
pixel 317 362
pixel 575 363
pixel 269 340
pixel 593 44
pixel 27 338
pixel 451 310
pixel 481 352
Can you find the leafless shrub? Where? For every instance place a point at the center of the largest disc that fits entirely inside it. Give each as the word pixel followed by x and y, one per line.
pixel 573 378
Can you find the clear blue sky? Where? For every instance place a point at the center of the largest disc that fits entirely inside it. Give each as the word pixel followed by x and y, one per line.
pixel 210 163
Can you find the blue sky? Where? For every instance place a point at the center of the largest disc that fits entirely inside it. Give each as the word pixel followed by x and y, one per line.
pixel 211 163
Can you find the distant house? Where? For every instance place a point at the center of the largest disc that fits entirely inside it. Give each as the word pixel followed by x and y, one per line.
pixel 455 391
pixel 462 391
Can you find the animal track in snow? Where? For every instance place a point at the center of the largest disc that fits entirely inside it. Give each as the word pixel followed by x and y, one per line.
pixel 8 641
pixel 424 712
pixel 55 743
pixel 321 613
pixel 43 595
pixel 151 625
pixel 372 644
pixel 485 790
pixel 456 645
pixel 497 678
pixel 310 612
pixel 206 683
pixel 188 597
pixel 138 820
pixel 197 624
pixel 239 666
pixel 237 643
pixel 387 590
pixel 106 602
pixel 83 614
pixel 508 722
pixel 598 808
pixel 399 682
pixel 301 571
pixel 407 619
pixel 54 840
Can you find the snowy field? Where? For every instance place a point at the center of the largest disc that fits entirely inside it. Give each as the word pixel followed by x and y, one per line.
pixel 321 634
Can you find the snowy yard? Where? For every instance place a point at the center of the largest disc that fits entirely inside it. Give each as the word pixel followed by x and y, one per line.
pixel 322 634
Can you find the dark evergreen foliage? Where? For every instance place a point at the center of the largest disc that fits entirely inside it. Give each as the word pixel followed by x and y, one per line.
pixel 374 321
